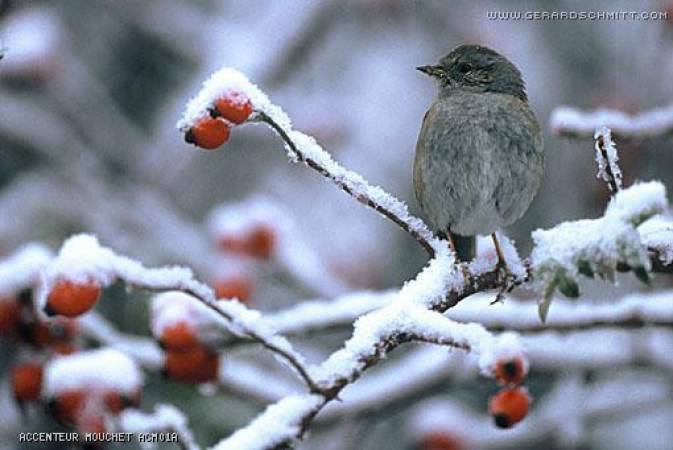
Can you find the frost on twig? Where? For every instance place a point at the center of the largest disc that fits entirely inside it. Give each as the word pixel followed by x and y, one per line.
pixel 165 418
pixel 82 258
pixel 606 159
pixel 567 121
pixel 596 246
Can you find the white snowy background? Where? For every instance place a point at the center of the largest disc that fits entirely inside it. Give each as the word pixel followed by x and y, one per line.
pixel 90 92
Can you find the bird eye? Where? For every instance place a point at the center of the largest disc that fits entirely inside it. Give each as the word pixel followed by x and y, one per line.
pixel 464 67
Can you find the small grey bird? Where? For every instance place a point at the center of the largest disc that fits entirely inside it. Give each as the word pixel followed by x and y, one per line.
pixel 479 157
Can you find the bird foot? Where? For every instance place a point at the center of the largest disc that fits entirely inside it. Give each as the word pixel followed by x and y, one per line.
pixel 508 281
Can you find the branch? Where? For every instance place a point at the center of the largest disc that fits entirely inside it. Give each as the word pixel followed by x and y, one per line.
pixel 352 184
pixel 375 335
pixel 571 122
pixel 440 286
pixel 606 158
pixel 81 258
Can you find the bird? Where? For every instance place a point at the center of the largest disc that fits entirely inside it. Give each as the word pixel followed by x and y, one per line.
pixel 479 158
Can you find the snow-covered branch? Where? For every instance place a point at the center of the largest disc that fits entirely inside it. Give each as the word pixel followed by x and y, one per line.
pixel 83 260
pixel 407 318
pixel 567 121
pixel 412 314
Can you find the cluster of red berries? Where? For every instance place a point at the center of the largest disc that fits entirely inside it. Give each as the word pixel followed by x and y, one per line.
pixel 510 405
pixel 82 409
pixel 187 359
pixel 231 109
pixel 71 299
pixel 20 323
pixel 257 242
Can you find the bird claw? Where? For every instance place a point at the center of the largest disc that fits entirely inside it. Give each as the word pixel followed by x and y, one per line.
pixel 508 281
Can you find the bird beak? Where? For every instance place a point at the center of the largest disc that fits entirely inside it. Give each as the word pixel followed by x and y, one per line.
pixel 433 71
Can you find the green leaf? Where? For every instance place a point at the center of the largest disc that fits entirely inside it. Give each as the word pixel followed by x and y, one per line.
pixel 585 269
pixel 544 303
pixel 568 286
pixel 642 274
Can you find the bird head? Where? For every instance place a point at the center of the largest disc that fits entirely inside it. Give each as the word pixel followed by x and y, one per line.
pixel 475 68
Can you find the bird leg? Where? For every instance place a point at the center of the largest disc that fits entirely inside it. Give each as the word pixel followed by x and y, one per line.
pixel 501 265
pixel 462 264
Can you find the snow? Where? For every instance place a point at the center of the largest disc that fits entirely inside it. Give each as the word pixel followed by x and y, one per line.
pixel 81 258
pixel 639 202
pixel 487 258
pixel 21 269
pixel 219 84
pixel 657 233
pixel 29 38
pixel 603 242
pixel 164 418
pixel 169 308
pixel 522 315
pixel 649 123
pixel 609 161
pixel 102 369
pixel 279 423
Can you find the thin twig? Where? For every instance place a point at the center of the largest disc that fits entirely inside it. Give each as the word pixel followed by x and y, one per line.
pixel 296 365
pixel 360 197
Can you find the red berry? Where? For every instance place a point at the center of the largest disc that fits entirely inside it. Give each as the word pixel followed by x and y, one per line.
pixel 209 133
pixel 116 402
pixel 509 406
pixel 67 406
pixel 9 316
pixel 233 244
pixel 510 371
pixel 71 299
pixel 179 336
pixel 260 242
pixel 27 382
pixel 440 440
pixel 234 106
pixel 196 365
pixel 235 286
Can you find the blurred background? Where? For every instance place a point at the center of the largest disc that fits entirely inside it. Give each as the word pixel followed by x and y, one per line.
pixel 90 91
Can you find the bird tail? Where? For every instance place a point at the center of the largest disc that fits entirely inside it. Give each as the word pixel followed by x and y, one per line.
pixel 466 246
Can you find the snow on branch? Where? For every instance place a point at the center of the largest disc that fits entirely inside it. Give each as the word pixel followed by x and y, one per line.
pixel 657 234
pixel 606 159
pixel 407 318
pixel 599 246
pixel 83 259
pixel 102 369
pixel 596 246
pixel 303 148
pixel 21 269
pixel 631 311
pixel 567 121
pixel 165 418
pixel 280 424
